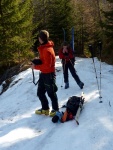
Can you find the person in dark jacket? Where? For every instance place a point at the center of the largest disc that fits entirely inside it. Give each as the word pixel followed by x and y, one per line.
pixel 47 80
pixel 68 60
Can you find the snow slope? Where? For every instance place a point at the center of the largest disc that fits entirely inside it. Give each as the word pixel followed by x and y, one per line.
pixel 22 129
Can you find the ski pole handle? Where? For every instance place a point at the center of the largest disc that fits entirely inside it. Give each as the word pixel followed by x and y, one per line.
pixel 100 45
pixel 91 50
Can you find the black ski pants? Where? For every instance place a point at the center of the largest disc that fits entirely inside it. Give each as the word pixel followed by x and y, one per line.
pixel 70 65
pixel 47 84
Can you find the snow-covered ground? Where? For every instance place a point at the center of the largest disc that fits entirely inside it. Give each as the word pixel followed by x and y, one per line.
pixel 22 129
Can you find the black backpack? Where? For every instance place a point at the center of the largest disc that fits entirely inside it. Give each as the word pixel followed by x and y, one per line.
pixel 74 103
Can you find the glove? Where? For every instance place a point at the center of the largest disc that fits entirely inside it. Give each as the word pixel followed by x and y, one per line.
pixel 66 54
pixel 36 61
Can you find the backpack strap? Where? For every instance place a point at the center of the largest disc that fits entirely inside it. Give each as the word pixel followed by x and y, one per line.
pixel 78 114
pixel 79 110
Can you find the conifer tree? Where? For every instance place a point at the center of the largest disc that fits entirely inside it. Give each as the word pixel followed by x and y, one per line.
pixel 60 18
pixel 54 16
pixel 15 28
pixel 108 25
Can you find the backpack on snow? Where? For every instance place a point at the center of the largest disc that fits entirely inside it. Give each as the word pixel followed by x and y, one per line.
pixel 74 106
pixel 74 103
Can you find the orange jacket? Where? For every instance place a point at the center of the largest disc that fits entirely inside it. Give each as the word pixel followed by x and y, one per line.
pixel 47 56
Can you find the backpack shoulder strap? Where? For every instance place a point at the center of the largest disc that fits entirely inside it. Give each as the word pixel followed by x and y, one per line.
pixel 79 110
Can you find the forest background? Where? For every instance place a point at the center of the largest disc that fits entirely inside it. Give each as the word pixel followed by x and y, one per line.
pixel 21 21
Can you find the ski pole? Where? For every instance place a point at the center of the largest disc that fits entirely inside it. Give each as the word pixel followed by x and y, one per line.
pixel 92 55
pixel 100 49
pixel 63 71
pixel 64 34
pixel 34 78
pixel 71 63
pixel 72 33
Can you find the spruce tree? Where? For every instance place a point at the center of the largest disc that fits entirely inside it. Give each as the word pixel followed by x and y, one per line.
pixel 54 16
pixel 15 28
pixel 60 19
pixel 108 24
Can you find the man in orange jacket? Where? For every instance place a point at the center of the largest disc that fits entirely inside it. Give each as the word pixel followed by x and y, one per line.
pixel 47 80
